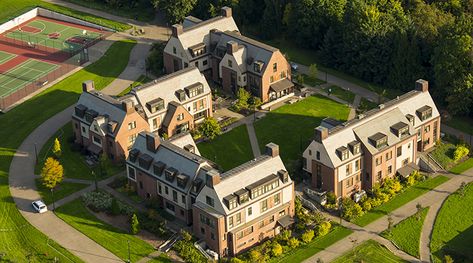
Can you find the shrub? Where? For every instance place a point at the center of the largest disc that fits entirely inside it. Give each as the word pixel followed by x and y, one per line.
pixel 276 249
pixel 447 259
pixel 236 260
pixel 307 236
pixel 331 198
pixel 285 235
pixel 115 208
pixel 367 204
pixel 134 225
pixel 323 228
pixel 188 252
pixel 155 226
pixel 351 209
pixel 460 152
pixel 255 255
pixel 375 202
pixel 186 235
pixel 411 180
pixel 102 202
pixel 293 243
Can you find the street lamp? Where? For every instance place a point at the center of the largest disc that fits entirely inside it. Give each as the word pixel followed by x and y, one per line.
pixel 52 195
pixel 340 207
pixel 95 181
pixel 129 256
pixel 36 153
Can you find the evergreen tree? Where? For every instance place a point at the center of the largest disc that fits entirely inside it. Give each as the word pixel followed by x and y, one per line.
pixel 57 148
pixel 134 225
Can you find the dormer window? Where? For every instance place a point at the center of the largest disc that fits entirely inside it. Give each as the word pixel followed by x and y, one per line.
pixel 283 176
pixel 181 95
pixel 400 129
pixel 379 140
pixel 243 196
pixel 411 119
pixel 155 105
pixel 196 185
pixel 342 153
pixel 133 155
pixel 90 115
pixel 354 147
pixel 230 201
pixel 194 90
pixel 198 50
pixel 144 161
pixel 80 110
pixel 424 112
pixel 170 174
pixel 258 66
pixel 182 180
pixel 158 168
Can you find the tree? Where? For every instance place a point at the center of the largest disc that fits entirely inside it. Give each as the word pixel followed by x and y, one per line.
pixel 255 255
pixel 52 173
pixel 210 128
pixel 313 71
pixel 276 249
pixel 447 259
pixel 323 228
pixel 307 236
pixel 419 210
pixel 254 102
pixel 186 235
pixel 176 10
pixel 57 148
pixel 293 242
pixel 103 164
pixel 242 99
pixel 134 225
pixel 285 235
pixel 154 61
pixel 271 20
pixel 351 209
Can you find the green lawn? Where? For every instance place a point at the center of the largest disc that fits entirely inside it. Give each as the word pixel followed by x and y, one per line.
pixel 453 228
pixel 366 105
pixel 229 149
pixel 340 93
pixel 443 154
pixel 19 238
pixel 318 244
pixel 462 167
pixel 140 81
pixel 369 251
pixel 162 258
pixel 62 190
pixel 292 126
pixel 311 81
pixel 464 124
pixel 111 238
pixel 406 234
pixel 401 199
pixel 141 11
pixel 13 8
pixel 73 161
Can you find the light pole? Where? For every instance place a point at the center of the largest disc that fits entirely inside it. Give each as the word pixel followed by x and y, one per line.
pixel 129 257
pixel 340 207
pixel 95 181
pixel 52 195
pixel 36 153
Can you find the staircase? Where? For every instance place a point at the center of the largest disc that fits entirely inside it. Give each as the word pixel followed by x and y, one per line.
pixel 429 164
pixel 307 203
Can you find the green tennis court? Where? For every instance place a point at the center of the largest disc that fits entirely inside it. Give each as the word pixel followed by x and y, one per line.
pixel 54 35
pixel 5 56
pixel 23 74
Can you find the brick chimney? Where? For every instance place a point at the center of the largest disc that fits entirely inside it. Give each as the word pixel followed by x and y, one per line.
pixel 128 107
pixel 232 47
pixel 177 29
pixel 88 86
pixel 226 11
pixel 422 85
pixel 152 142
pixel 321 133
pixel 212 178
pixel 272 149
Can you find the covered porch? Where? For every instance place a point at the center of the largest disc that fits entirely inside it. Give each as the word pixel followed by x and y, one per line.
pixel 280 89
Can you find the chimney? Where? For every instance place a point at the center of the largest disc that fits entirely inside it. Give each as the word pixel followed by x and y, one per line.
pixel 152 142
pixel 283 176
pixel 226 11
pixel 88 86
pixel 212 178
pixel 232 47
pixel 177 29
pixel 190 148
pixel 127 106
pixel 321 133
pixel 422 85
pixel 272 149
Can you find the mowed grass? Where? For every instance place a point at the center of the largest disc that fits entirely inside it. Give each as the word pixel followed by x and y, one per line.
pixel 305 251
pixel 312 81
pixel 229 149
pixel 369 251
pixel 443 154
pixel 292 126
pixel 453 229
pixel 401 199
pixel 13 8
pixel 113 239
pixel 62 190
pixel 462 167
pixel 140 81
pixel 340 93
pixel 141 10
pixel 72 161
pixel 406 234
pixel 18 238
pixel 464 124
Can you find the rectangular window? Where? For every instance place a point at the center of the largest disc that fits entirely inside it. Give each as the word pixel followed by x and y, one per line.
pixel 427 128
pixel 166 190
pixel 155 123
pixel 132 125
pixel 389 155
pixel 390 169
pixel 204 62
pixel 275 67
pixel 97 140
pixel 379 160
pixel 399 151
pixel 317 154
pixel 380 175
pixel 357 165
pixel 131 140
pixel 197 64
pixel 229 63
pixel 174 50
pixel 238 218
pixel 271 79
pixel 230 222
pixel 210 201
pixel 250 211
pixel 264 205
pixel 131 173
pixel 348 169
pixel 180 116
pixel 174 196
pixel 183 199
pixel 277 199
pixel 159 188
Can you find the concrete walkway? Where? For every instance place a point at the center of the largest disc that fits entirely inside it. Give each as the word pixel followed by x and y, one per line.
pixel 431 199
pixel 253 140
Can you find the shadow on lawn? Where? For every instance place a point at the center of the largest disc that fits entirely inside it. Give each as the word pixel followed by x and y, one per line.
pixel 459 248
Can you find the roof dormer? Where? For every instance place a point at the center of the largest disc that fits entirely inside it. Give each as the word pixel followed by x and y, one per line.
pixel 342 153
pixel 400 129
pixel 379 140
pixel 424 112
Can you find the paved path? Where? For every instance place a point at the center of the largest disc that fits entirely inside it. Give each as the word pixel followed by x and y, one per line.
pixel 432 199
pixel 253 140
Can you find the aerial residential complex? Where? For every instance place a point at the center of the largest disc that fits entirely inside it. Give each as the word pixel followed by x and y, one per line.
pixel 347 157
pixel 229 211
pixel 168 105
pixel 217 48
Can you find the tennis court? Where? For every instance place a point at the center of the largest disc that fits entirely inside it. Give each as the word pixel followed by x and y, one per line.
pixel 5 56
pixel 56 35
pixel 24 74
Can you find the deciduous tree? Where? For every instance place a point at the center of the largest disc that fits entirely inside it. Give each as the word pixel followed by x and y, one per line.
pixel 210 128
pixel 57 148
pixel 52 173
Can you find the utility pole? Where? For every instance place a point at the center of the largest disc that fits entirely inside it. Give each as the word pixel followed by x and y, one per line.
pixel 36 153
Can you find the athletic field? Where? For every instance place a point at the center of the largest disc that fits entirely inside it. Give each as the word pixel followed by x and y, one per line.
pixel 56 35
pixel 25 73
pixel 4 57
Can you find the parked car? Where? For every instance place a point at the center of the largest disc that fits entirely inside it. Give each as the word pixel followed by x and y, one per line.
pixel 39 206
pixel 294 66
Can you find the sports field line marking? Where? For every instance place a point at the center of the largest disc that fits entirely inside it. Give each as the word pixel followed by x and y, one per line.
pixel 41 29
pixel 38 75
pixel 23 82
pixel 8 57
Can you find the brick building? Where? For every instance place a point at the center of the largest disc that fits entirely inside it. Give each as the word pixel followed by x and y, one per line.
pixel 217 48
pixel 347 157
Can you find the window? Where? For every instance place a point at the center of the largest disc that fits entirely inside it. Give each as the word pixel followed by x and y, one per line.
pixel 379 160
pixel 170 206
pixel 238 218
pixel 232 203
pixel 427 128
pixel 131 140
pixel 159 188
pixel 174 196
pixel 210 201
pixel 435 129
pixel 229 63
pixel 405 162
pixel 131 173
pixel 166 190
pixel 204 62
pixel 186 65
pixel 282 213
pixel 97 140
pixel 183 199
pixel 380 175
pixel 357 165
pixel 174 50
pixel 180 116
pixel 390 169
pixel 132 125
pixel 348 168
pixel 197 64
pixel 317 154
pixel 250 211
pixel 349 182
pixel 399 151
pixel 409 146
pixel 155 123
pixel 277 199
pixel 230 222
pixel 389 155
pixel 271 79
pixel 283 74
pixel 275 67
pixel 345 155
pixel 202 230
pixel 357 177
pixel 310 152
pixel 264 205
pixel 212 235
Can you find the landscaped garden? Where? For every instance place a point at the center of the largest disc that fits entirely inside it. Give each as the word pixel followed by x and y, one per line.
pixel 366 105
pixel 406 234
pixel 452 157
pixel 453 229
pixel 29 244
pixel 369 251
pixel 229 149
pixel 340 93
pixel 399 199
pixel 292 126
pixel 62 190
